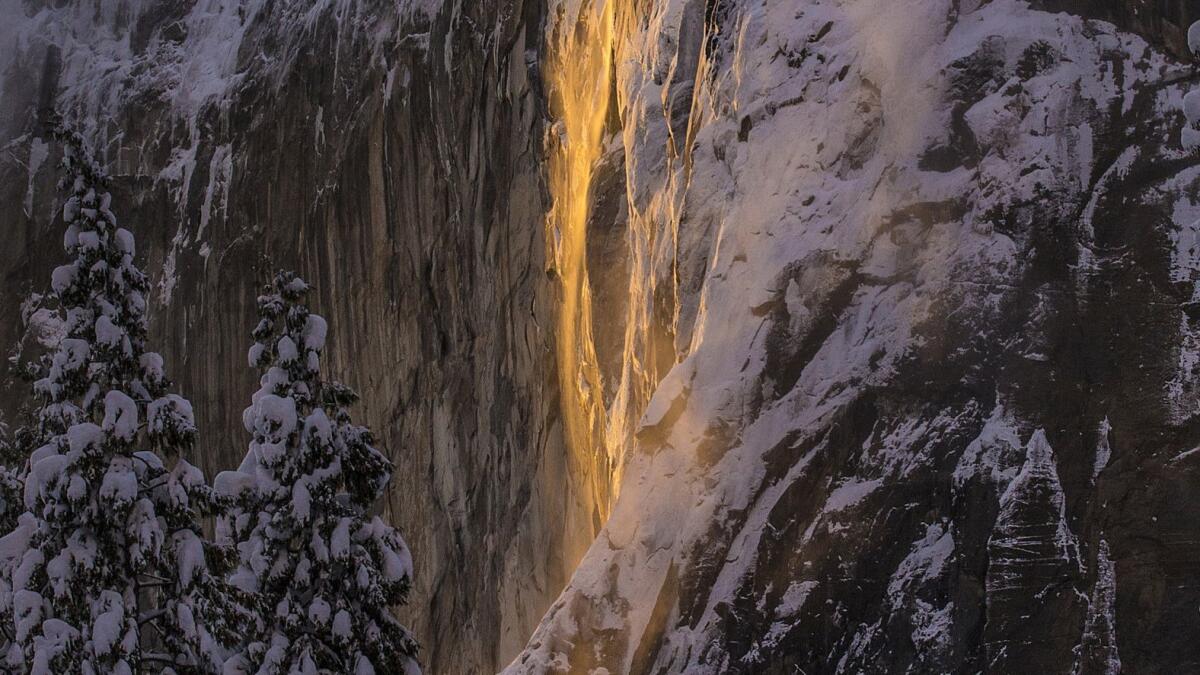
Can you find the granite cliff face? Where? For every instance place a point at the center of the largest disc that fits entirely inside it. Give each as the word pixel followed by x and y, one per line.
pixel 833 336
pixel 391 152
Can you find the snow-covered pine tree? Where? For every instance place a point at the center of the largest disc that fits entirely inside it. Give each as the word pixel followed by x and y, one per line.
pixel 110 571
pixel 15 448
pixel 11 506
pixel 323 572
pixel 16 445
pixel 12 465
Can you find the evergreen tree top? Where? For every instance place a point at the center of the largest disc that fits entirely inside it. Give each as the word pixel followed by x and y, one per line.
pixel 108 557
pixel 323 571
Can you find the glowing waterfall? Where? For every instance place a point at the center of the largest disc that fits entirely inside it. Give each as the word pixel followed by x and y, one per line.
pixel 578 72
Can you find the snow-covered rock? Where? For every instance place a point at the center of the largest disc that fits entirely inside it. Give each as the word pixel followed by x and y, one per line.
pixel 889 242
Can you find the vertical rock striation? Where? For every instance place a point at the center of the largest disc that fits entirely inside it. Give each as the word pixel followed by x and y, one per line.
pixel 392 153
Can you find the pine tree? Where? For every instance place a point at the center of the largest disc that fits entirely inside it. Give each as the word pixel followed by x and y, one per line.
pixel 16 445
pixel 12 464
pixel 10 507
pixel 15 448
pixel 323 573
pixel 110 573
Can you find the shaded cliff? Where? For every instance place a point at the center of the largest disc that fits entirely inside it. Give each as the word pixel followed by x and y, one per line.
pixel 391 153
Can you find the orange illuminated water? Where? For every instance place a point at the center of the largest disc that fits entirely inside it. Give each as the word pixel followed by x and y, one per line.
pixel 578 71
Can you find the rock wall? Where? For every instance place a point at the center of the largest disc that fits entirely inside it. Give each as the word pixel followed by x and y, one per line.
pixel 926 273
pixel 1162 22
pixel 391 153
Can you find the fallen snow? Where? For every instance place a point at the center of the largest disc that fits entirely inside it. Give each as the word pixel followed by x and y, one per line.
pixel 315 330
pixel 1103 449
pixel 120 415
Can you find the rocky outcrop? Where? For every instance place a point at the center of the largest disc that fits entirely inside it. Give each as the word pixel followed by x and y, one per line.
pixel 926 270
pixel 1164 24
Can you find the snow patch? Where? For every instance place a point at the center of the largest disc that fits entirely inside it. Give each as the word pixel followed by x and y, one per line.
pixel 1103 449
pixel 120 415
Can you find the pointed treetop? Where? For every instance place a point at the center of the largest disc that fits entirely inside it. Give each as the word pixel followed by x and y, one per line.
pixel 323 571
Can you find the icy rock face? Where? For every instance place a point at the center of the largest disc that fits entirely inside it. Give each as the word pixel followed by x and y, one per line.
pixel 926 269
pixel 390 152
